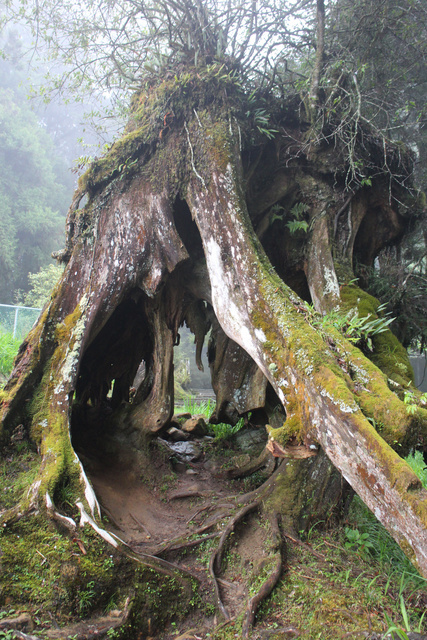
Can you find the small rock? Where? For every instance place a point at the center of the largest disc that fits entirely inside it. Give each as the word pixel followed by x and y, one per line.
pixel 177 435
pixel 246 439
pixel 238 462
pixel 116 613
pixel 22 622
pixel 195 426
pixel 185 451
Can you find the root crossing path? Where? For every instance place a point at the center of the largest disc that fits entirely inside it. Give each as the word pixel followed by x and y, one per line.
pixel 196 515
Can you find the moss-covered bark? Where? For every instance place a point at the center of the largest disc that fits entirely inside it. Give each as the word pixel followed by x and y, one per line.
pixel 258 312
pixel 167 236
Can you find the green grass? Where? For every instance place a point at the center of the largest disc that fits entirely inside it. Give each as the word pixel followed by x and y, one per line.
pixel 220 431
pixel 329 590
pixel 205 408
pixel 224 431
pixel 8 349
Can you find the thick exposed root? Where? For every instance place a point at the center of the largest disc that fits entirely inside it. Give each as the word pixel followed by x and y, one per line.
pixel 217 556
pixel 264 490
pixel 182 542
pixel 153 562
pixel 219 553
pixel 16 513
pixel 265 459
pixel 25 507
pixel 270 583
pixel 189 544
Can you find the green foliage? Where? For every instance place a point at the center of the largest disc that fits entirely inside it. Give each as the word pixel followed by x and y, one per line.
pixel 223 431
pixel 185 363
pixel 358 541
pixel 297 212
pixel 412 402
pixel 358 330
pixel 8 349
pixel 418 466
pixel 394 631
pixel 33 185
pixel 298 223
pixel 329 587
pixel 400 282
pixel 41 285
pixel 86 597
pixel 220 431
pixel 204 408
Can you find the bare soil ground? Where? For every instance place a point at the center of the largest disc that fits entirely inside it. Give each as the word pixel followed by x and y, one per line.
pixel 157 504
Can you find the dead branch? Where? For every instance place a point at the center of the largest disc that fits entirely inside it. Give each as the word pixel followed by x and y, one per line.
pixel 302 544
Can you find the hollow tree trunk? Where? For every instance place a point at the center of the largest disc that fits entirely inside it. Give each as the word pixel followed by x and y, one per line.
pixel 124 246
pixel 258 312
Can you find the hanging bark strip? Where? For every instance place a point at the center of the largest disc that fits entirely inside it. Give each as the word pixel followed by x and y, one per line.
pixel 256 310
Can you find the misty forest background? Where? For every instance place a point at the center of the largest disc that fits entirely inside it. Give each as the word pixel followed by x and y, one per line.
pixel 50 131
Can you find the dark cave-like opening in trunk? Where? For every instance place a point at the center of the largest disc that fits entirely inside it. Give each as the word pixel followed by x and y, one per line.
pixel 286 252
pixel 119 357
pixel 187 229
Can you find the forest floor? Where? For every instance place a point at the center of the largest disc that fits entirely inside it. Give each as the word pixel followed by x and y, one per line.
pixel 346 581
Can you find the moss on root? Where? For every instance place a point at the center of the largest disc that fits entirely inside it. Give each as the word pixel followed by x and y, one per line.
pixel 75 578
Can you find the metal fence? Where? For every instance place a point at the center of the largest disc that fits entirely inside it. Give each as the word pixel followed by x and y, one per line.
pixel 419 365
pixel 17 320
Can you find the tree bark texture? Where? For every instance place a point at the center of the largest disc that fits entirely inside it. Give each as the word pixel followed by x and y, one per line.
pixel 167 243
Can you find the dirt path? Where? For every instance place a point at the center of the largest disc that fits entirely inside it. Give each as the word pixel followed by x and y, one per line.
pixel 145 512
pixel 153 500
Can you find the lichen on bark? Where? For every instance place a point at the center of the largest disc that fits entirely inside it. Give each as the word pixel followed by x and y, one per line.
pixel 168 236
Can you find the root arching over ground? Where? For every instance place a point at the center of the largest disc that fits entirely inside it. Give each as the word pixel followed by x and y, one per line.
pixel 217 538
pixel 198 520
pixel 181 226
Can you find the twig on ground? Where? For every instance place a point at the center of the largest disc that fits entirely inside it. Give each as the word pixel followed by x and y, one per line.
pixel 139 523
pixel 304 545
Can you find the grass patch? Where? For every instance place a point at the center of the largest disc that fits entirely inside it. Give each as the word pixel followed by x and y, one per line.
pixel 348 591
pixel 8 349
pixel 220 431
pixel 204 408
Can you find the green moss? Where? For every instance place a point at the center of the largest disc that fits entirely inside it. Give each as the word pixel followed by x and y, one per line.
pixel 64 329
pixel 157 600
pixel 18 469
pixel 119 161
pixel 158 117
pixel 42 568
